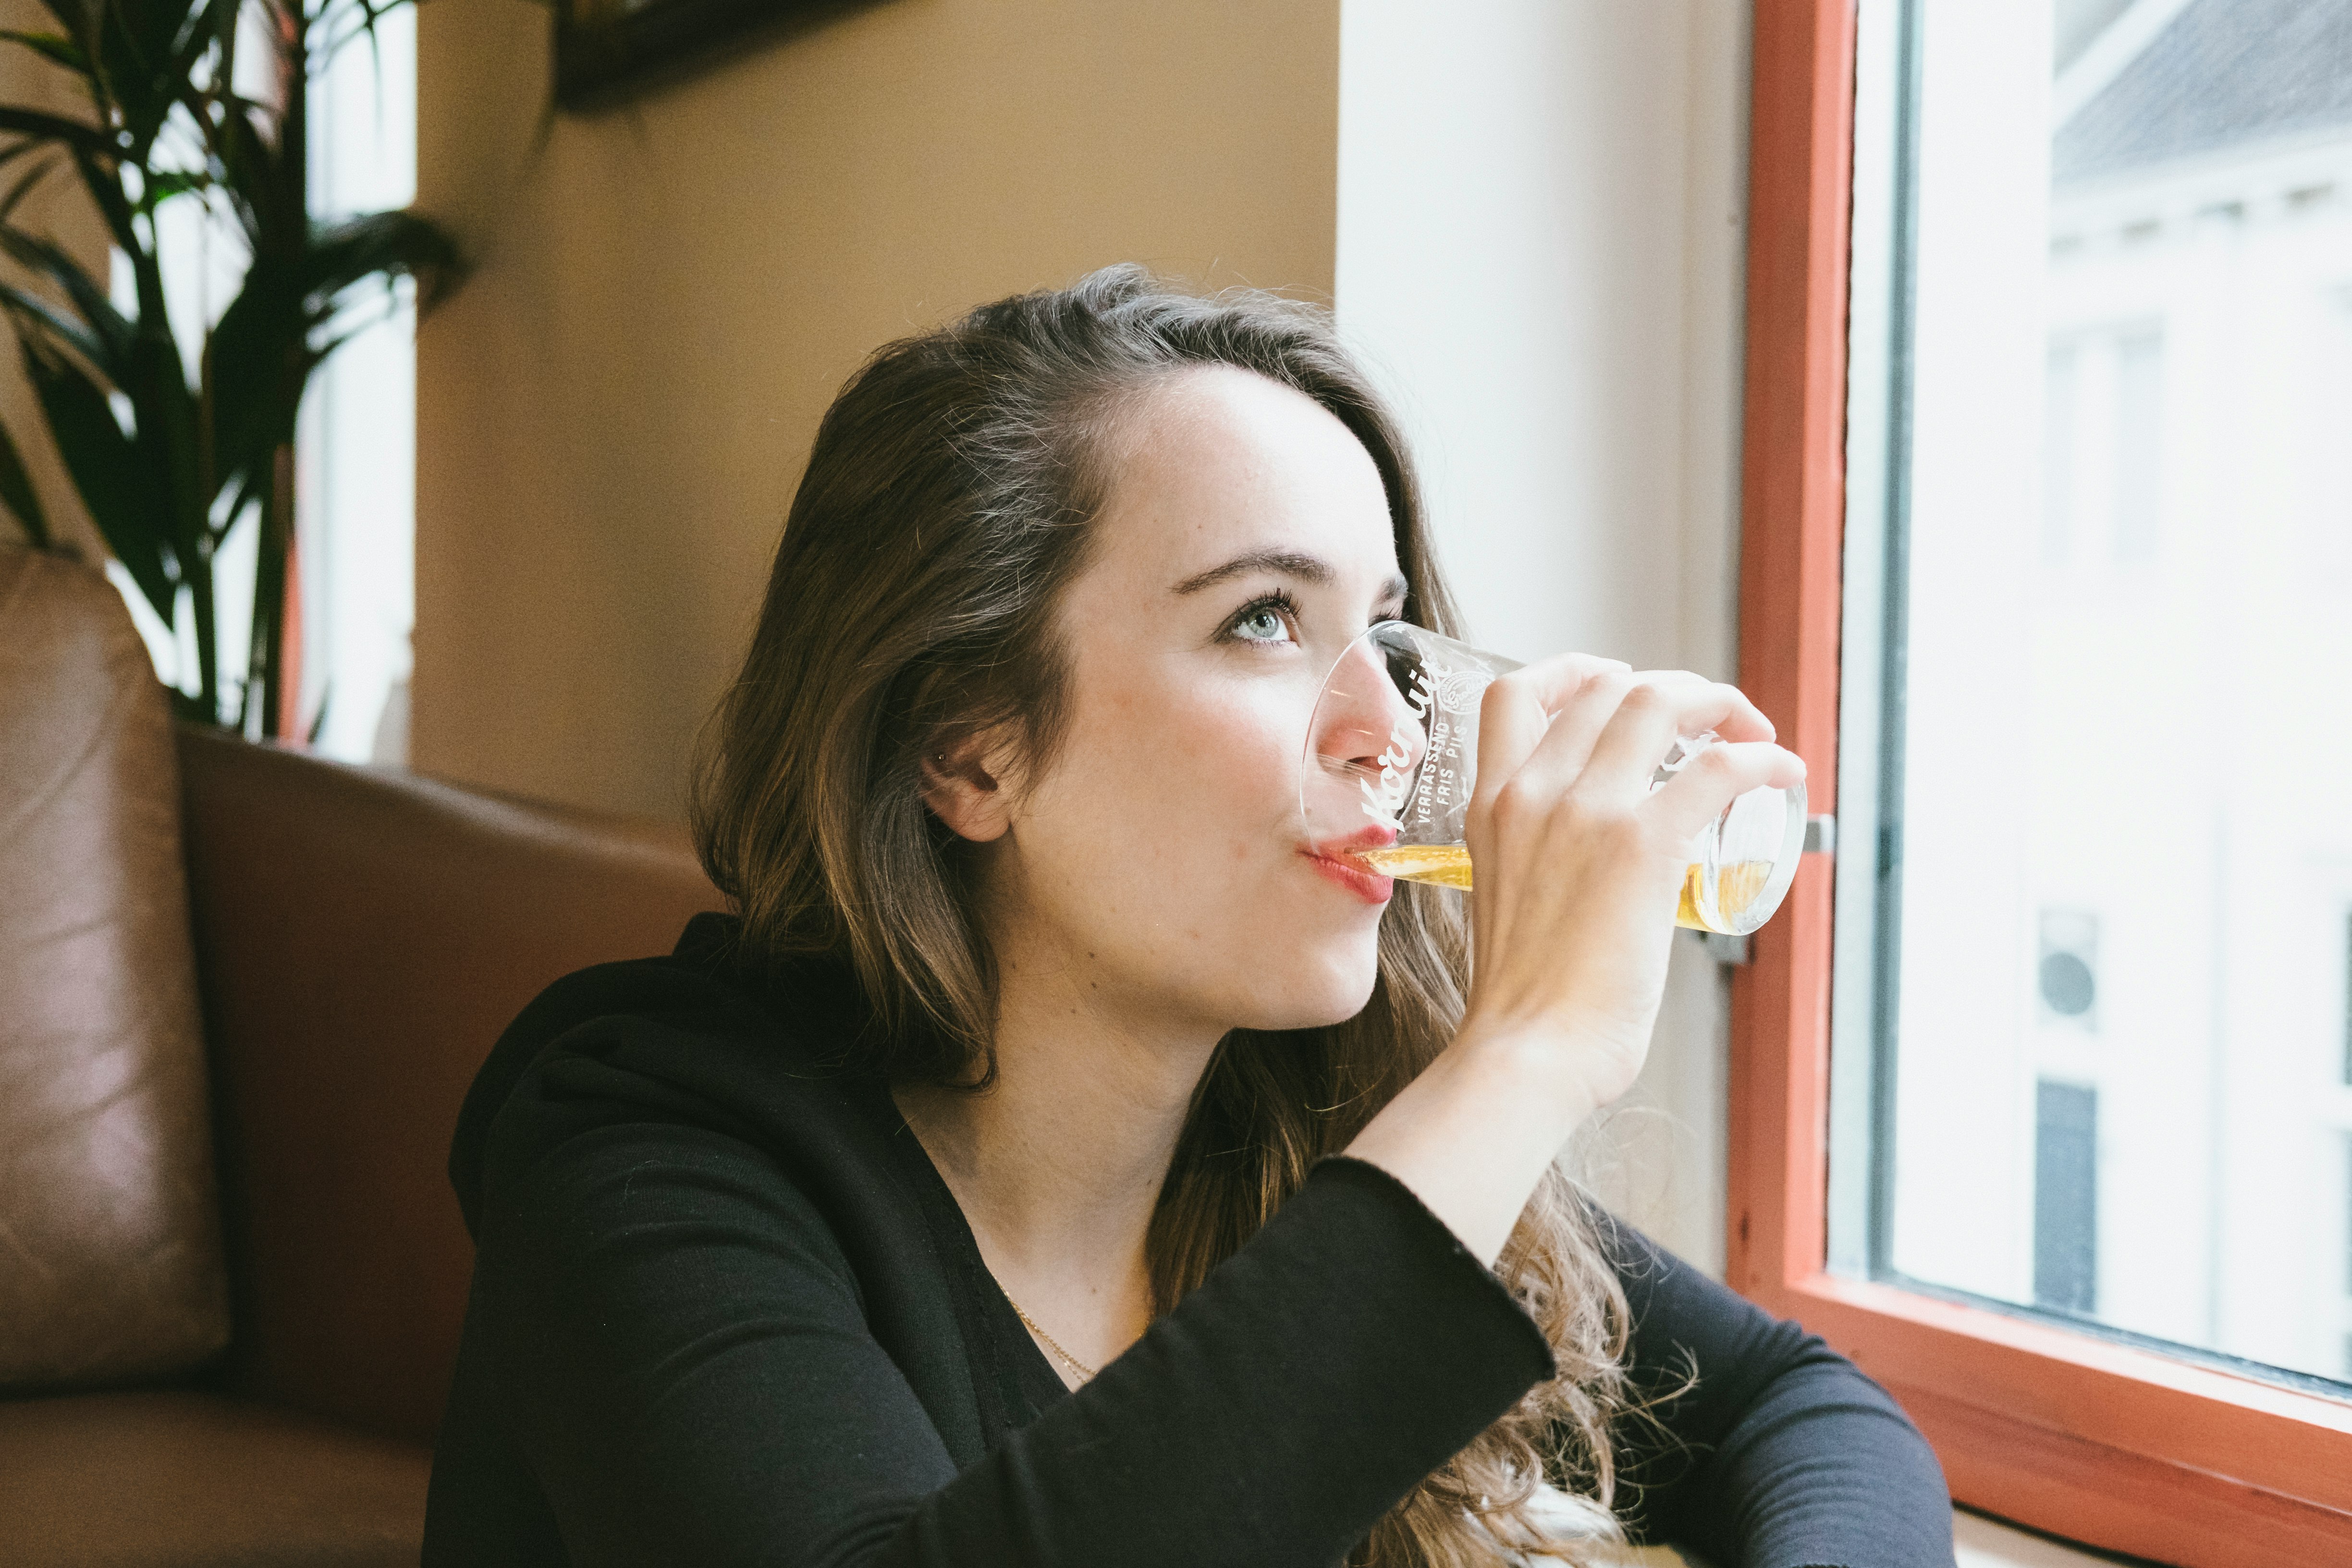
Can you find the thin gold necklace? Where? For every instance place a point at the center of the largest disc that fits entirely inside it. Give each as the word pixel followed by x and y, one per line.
pixel 1081 1368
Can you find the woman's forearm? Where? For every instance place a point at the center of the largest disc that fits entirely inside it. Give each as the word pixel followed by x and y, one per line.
pixel 1474 1134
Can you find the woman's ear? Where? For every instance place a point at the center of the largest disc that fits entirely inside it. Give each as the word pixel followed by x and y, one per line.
pixel 965 784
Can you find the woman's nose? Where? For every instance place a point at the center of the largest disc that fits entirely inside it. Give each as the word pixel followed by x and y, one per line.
pixel 1363 723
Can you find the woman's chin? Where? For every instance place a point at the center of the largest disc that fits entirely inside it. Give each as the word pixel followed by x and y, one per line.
pixel 1319 991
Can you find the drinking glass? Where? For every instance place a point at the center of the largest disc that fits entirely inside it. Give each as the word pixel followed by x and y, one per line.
pixel 1392 756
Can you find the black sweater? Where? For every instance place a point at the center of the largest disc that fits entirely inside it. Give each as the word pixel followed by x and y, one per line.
pixel 725 1312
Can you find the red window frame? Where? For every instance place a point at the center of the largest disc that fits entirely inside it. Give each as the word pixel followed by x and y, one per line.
pixel 2100 1442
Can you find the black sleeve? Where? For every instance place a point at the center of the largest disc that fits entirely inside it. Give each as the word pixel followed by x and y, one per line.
pixel 682 1359
pixel 1781 1454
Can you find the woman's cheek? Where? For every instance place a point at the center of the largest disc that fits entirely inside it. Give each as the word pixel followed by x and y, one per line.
pixel 1202 780
pixel 1266 736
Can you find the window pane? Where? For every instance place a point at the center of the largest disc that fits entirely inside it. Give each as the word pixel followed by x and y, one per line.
pixel 357 444
pixel 2093 1016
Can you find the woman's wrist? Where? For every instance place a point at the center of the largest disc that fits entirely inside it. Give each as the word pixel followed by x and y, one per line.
pixel 1534 1060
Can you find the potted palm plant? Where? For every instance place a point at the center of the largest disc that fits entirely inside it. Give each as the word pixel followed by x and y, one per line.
pixel 170 456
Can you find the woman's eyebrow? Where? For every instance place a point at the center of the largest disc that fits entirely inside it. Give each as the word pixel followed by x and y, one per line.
pixel 1312 570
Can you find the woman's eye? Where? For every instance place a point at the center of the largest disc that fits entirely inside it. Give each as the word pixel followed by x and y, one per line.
pixel 1263 623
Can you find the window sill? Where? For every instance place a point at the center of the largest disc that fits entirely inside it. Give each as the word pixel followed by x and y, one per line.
pixel 1982 1542
pixel 1978 1541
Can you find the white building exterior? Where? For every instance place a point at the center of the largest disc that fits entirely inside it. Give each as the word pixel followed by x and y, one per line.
pixel 2124 1041
pixel 2195 623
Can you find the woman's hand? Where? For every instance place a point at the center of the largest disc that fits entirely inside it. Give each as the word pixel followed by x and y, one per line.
pixel 1579 868
pixel 1580 865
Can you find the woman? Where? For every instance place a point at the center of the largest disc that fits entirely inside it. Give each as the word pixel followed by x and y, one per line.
pixel 1053 1159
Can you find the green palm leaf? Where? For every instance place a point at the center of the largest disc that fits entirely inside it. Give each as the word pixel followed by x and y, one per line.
pixel 68 331
pixel 143 54
pixel 16 492
pixel 115 484
pixel 103 333
pixel 256 367
pixel 46 127
pixel 385 243
pixel 54 47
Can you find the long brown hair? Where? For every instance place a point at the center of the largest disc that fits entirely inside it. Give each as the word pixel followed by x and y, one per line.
pixel 946 505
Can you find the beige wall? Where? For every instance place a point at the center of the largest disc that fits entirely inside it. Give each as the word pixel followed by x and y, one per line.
pixel 612 412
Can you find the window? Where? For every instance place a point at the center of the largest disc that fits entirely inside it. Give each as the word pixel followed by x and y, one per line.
pixel 2032 1086
pixel 355 444
pixel 2066 976
pixel 2066 1197
pixel 2084 900
pixel 2103 447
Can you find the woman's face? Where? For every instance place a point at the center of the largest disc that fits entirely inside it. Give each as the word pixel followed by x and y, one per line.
pixel 1160 855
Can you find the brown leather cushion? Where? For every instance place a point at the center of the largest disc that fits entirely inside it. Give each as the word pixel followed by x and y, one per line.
pixel 110 1244
pixel 362 938
pixel 195 1480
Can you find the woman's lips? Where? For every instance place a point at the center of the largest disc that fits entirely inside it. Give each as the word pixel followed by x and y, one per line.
pixel 1335 859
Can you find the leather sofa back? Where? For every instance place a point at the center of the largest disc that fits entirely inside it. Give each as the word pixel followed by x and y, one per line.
pixel 110 1264
pixel 363 937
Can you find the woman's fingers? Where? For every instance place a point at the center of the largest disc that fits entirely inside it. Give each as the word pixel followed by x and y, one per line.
pixel 1718 776
pixel 1561 763
pixel 1515 714
pixel 1599 728
pixel 1654 714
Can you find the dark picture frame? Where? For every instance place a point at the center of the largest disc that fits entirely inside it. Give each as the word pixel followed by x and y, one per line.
pixel 609 49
